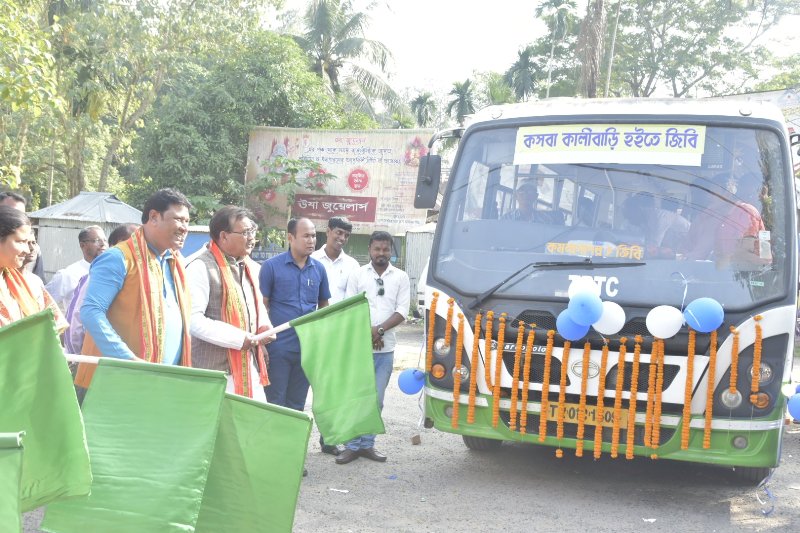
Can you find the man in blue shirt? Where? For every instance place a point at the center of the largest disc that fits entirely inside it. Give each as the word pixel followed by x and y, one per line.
pixel 293 284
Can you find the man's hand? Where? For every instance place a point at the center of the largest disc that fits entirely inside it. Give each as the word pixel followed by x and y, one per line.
pixel 377 339
pixel 249 342
pixel 269 339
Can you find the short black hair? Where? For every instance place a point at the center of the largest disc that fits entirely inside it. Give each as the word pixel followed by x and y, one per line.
pixel 11 219
pixel 84 233
pixel 381 236
pixel 224 218
pixel 16 196
pixel 341 223
pixel 122 233
pixel 161 200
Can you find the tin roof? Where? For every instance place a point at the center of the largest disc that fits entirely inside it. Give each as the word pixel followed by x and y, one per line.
pixel 91 207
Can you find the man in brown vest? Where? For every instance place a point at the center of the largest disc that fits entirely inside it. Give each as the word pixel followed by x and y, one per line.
pixel 227 310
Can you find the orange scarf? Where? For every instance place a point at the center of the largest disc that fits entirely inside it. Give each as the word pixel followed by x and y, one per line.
pixel 233 312
pixel 20 292
pixel 152 317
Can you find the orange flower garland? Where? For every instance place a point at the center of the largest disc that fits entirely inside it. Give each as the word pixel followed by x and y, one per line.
pixel 601 393
pixel 431 331
pixel 457 376
pixel 515 376
pixel 498 364
pixel 734 360
pixel 545 402
pixel 562 394
pixel 712 367
pixel 487 350
pixel 655 440
pixel 630 432
pixel 756 359
pixel 526 371
pixel 651 393
pixel 618 397
pixel 473 372
pixel 687 393
pixel 448 335
pixel 587 349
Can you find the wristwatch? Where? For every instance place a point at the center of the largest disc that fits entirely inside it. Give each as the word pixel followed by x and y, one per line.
pixel 381 331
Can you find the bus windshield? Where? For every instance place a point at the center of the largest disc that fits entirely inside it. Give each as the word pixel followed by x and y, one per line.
pixel 716 226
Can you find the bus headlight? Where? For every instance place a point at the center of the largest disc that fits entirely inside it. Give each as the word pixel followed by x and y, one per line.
pixel 731 400
pixel 461 373
pixel 765 373
pixel 440 348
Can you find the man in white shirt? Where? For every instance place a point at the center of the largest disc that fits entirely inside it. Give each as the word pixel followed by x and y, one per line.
pixel 227 311
pixel 338 265
pixel 388 292
pixel 92 240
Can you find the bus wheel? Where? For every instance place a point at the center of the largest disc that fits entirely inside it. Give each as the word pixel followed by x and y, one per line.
pixel 480 444
pixel 751 475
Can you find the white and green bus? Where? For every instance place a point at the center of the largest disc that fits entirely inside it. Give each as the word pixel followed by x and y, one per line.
pixel 653 204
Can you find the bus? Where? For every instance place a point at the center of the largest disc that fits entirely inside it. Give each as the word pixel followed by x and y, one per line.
pixel 657 209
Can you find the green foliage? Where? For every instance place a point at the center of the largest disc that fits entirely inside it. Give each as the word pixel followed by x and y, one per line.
pixel 789 76
pixel 423 107
pixel 462 102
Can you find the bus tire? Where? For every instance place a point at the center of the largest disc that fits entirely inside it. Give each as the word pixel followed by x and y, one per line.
pixel 480 444
pixel 751 475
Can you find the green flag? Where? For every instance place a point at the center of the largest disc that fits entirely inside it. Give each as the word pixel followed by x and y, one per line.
pixel 10 477
pixel 151 431
pixel 336 346
pixel 37 397
pixel 257 467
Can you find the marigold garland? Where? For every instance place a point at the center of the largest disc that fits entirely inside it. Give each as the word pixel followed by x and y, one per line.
pixel 601 393
pixel 712 367
pixel 734 360
pixel 651 394
pixel 431 331
pixel 562 391
pixel 623 349
pixel 756 359
pixel 498 363
pixel 448 335
pixel 526 371
pixel 473 366
pixel 630 430
pixel 587 350
pixel 545 402
pixel 487 350
pixel 515 376
pixel 655 441
pixel 687 392
pixel 457 375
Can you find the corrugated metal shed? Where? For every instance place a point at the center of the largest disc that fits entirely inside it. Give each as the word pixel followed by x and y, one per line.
pixel 60 224
pixel 419 242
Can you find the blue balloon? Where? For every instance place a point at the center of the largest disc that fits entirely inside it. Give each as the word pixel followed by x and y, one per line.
pixel 411 380
pixel 585 308
pixel 794 406
pixel 797 389
pixel 704 315
pixel 567 327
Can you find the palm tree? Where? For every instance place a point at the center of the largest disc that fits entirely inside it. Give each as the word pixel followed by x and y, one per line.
pixel 463 102
pixel 341 55
pixel 521 76
pixel 498 91
pixel 423 107
pixel 590 47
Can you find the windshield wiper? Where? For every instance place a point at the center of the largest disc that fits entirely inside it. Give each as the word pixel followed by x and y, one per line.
pixel 587 263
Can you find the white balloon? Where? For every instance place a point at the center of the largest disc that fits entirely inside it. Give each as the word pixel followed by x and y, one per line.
pixel 664 321
pixel 583 284
pixel 612 320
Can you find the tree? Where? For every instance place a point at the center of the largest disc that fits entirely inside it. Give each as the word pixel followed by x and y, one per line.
pixel 497 91
pixel 590 47
pixel 463 101
pixel 423 107
pixel 334 42
pixel 559 15
pixel 521 76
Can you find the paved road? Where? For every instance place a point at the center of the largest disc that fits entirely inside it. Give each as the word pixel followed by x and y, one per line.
pixel 440 486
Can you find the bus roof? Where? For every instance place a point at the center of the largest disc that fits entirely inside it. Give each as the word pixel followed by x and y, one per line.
pixel 632 107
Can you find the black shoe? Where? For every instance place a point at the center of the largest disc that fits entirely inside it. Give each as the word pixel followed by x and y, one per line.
pixel 330 449
pixel 347 456
pixel 305 472
pixel 372 454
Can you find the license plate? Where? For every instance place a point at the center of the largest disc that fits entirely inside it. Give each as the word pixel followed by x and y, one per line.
pixel 571 411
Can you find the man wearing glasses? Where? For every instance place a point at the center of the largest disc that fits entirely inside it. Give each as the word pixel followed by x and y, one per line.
pixel 92 240
pixel 388 291
pixel 227 311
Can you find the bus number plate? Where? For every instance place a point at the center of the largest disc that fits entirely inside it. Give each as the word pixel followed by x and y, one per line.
pixel 571 411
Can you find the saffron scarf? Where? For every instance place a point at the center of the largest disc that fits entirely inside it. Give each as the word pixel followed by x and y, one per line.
pixel 151 327
pixel 234 312
pixel 21 292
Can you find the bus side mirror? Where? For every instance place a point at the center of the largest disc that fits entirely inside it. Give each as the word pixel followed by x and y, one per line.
pixel 428 177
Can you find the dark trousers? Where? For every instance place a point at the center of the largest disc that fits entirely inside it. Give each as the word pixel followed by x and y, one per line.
pixel 288 384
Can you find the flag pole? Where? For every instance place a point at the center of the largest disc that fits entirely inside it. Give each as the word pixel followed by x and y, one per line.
pixel 277 329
